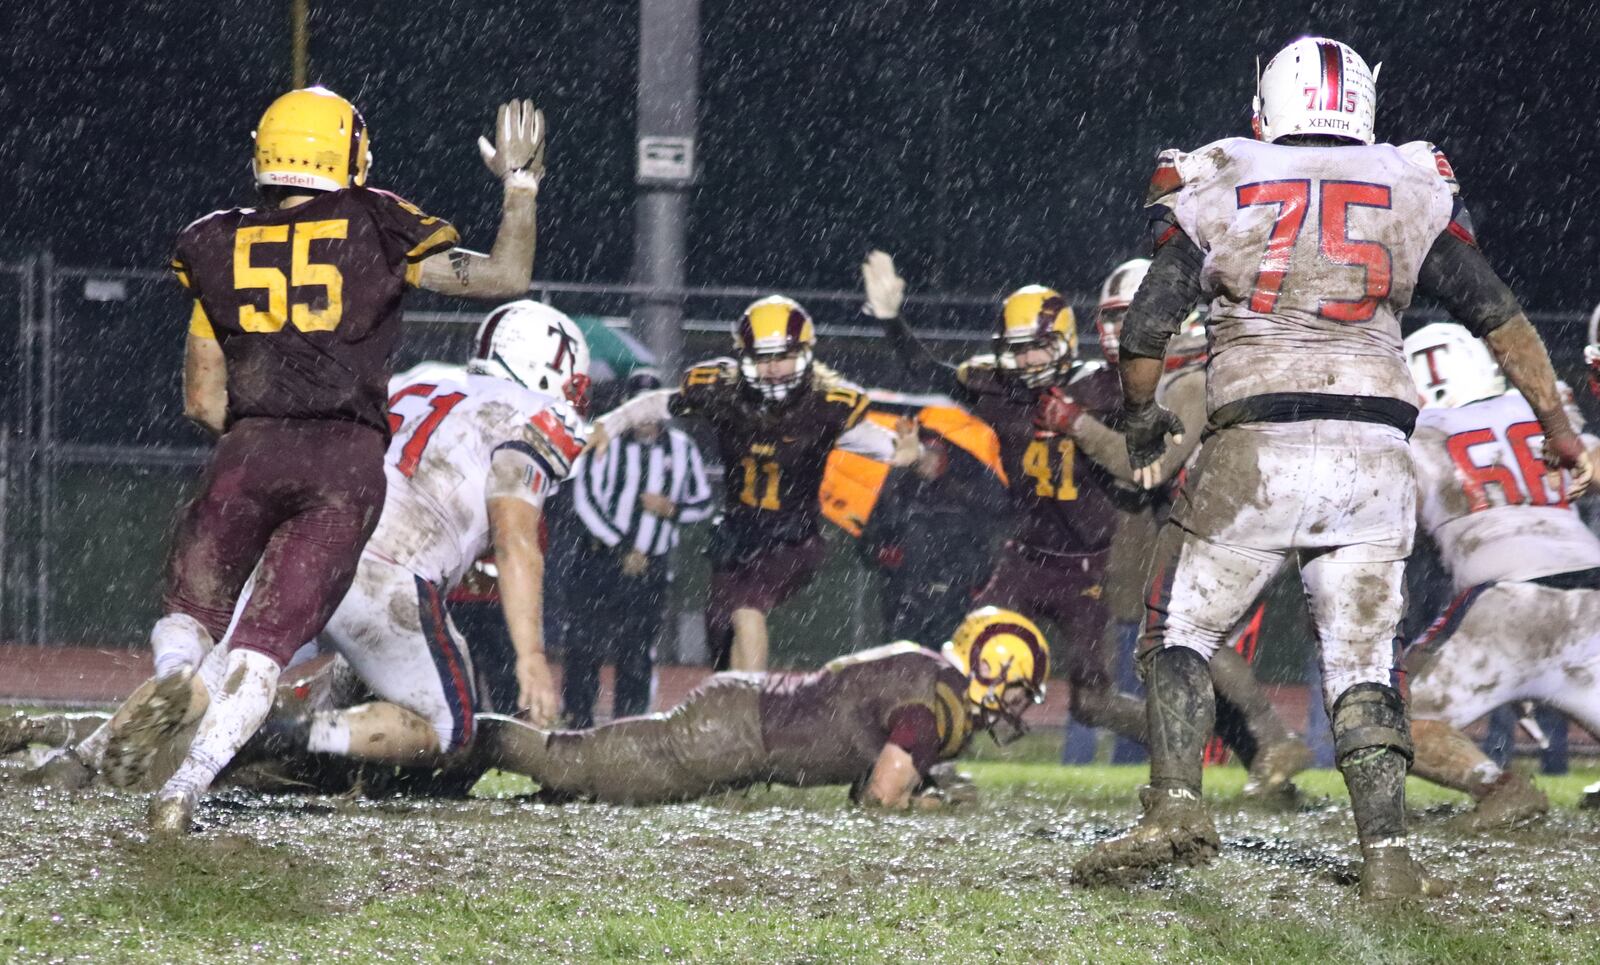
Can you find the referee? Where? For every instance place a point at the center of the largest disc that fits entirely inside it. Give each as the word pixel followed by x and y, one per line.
pixel 630 502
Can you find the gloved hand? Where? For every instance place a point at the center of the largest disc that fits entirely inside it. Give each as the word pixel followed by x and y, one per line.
pixel 1057 412
pixel 1146 431
pixel 1591 357
pixel 886 290
pixel 517 155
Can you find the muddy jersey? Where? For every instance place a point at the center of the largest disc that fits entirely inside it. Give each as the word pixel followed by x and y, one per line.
pixel 1310 256
pixel 829 726
pixel 1488 500
pixel 1063 501
pixel 459 441
pixel 773 456
pixel 305 301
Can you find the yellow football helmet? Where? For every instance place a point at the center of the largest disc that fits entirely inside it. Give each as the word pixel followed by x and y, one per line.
pixel 1006 660
pixel 774 328
pixel 312 138
pixel 1036 317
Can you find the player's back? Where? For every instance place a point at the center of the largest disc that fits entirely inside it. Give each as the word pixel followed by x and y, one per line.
pixel 305 300
pixel 1487 499
pixel 445 433
pixel 1311 254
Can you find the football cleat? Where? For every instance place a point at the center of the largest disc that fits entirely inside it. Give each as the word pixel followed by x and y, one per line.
pixel 1007 662
pixel 171 815
pixel 17 731
pixel 771 330
pixel 1316 86
pixel 1390 873
pixel 536 346
pixel 1037 335
pixel 1275 766
pixel 144 722
pixel 1175 829
pixel 1512 800
pixel 313 139
pixel 1451 367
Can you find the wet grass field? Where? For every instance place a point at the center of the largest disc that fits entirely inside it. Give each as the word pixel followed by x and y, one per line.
pixel 772 875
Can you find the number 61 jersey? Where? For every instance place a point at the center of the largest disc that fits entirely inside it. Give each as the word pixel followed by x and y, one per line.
pixel 1487 499
pixel 1309 251
pixel 459 441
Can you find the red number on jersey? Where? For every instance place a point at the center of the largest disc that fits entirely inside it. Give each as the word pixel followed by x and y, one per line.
pixel 1477 479
pixel 1334 200
pixel 438 408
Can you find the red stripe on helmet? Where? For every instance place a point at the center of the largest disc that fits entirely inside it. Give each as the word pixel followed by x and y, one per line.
pixel 1332 76
pixel 486 337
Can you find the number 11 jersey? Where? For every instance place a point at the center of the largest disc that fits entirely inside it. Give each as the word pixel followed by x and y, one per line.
pixel 1486 497
pixel 1311 254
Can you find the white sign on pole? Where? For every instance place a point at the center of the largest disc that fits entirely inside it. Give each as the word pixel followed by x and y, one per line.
pixel 666 159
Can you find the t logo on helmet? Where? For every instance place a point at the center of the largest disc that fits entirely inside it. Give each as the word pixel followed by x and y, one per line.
pixel 565 349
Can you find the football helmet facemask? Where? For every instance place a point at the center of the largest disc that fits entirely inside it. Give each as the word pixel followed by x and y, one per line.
pixel 1031 318
pixel 1451 367
pixel 1115 297
pixel 1007 662
pixel 771 329
pixel 534 345
pixel 1316 86
pixel 311 139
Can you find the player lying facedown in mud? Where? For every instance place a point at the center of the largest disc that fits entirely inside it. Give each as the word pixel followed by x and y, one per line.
pixel 880 721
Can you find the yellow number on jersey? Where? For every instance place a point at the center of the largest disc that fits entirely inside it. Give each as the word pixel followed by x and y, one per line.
pixel 754 469
pixel 1051 480
pixel 302 271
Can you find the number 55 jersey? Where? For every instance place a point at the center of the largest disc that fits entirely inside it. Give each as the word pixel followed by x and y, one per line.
pixel 1487 499
pixel 1356 223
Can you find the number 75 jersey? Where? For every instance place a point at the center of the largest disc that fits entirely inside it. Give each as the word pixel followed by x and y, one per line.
pixel 1311 254
pixel 1487 500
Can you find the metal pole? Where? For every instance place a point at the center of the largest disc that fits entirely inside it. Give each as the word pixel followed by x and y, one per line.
pixel 23 562
pixel 668 102
pixel 45 477
pixel 299 39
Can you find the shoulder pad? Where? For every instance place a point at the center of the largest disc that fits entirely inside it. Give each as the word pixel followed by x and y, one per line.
pixel 976 366
pixel 1429 158
pixel 895 649
pixel 1166 179
pixel 557 435
pixel 712 370
pixel 1177 169
pixel 379 194
pixel 200 223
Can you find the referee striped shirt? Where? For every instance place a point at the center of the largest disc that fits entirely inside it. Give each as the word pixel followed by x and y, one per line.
pixel 606 491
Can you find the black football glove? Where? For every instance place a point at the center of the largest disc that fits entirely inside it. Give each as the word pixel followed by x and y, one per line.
pixel 1146 430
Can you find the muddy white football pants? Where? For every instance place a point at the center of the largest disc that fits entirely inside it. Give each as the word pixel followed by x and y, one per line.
pixel 1337 497
pixel 1499 642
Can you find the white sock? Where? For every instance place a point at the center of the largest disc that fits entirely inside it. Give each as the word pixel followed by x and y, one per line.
pixel 178 641
pixel 236 712
pixel 213 668
pixel 330 734
pixel 93 747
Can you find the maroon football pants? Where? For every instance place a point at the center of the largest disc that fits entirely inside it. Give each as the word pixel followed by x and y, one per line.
pixel 298 496
pixel 1066 590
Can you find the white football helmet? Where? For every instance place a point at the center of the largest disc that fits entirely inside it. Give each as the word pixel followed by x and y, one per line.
pixel 1115 297
pixel 1451 367
pixel 534 345
pixel 1316 86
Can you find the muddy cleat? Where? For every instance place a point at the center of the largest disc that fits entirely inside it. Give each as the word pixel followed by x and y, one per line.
pixel 62 770
pixel 171 815
pixel 144 722
pixel 1590 799
pixel 1275 766
pixel 1389 873
pixel 17 731
pixel 1175 829
pixel 1512 800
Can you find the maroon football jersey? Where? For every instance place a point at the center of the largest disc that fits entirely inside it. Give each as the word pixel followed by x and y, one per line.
pixel 1064 501
pixel 829 726
pixel 305 301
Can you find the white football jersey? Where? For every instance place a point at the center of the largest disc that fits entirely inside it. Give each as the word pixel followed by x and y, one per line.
pixel 1311 254
pixel 1487 499
pixel 458 441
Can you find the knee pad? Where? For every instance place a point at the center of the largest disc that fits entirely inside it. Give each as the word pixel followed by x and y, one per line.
pixel 1369 716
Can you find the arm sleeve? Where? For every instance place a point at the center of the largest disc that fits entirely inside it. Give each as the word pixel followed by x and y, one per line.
pixel 913 729
pixel 920 364
pixel 1459 277
pixel 695 505
pixel 867 438
pixel 1186 397
pixel 1168 291
pixel 589 493
pixel 657 406
pixel 516 474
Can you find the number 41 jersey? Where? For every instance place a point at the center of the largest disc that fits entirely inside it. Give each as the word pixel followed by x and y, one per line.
pixel 459 441
pixel 1311 254
pixel 1487 499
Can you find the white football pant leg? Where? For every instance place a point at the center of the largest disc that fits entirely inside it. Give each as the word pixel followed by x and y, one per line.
pixel 1200 590
pixel 1355 608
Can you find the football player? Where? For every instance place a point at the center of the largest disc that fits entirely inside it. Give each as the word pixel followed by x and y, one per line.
pixel 469 465
pixel 1307 242
pixel 878 721
pixel 1274 755
pixel 776 413
pixel 1524 567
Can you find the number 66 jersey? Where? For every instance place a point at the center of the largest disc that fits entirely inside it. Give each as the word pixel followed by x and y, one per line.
pixel 1487 499
pixel 1307 249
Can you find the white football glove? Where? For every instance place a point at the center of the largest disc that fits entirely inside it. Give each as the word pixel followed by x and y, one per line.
pixel 517 155
pixel 886 290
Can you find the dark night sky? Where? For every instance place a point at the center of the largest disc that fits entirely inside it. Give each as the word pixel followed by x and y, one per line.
pixel 988 144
